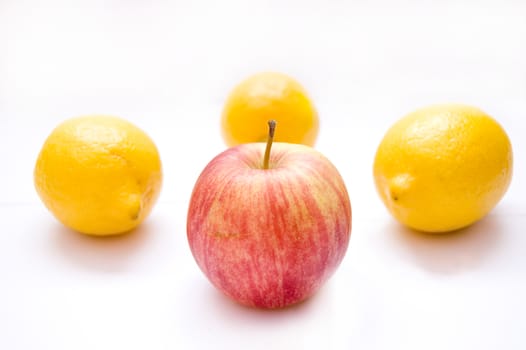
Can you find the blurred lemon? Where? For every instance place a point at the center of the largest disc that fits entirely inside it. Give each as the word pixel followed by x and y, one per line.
pixel 443 167
pixel 266 96
pixel 98 175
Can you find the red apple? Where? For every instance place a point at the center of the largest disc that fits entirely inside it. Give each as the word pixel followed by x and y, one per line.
pixel 269 229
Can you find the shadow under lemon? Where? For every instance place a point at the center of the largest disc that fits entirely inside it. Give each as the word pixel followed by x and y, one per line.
pixel 451 252
pixel 113 253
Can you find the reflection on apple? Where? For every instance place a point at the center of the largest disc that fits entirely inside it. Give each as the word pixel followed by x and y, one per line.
pixel 269 226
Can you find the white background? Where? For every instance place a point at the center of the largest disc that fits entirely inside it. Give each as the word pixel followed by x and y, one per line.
pixel 167 66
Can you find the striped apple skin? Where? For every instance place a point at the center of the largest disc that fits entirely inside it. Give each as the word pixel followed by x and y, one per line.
pixel 269 238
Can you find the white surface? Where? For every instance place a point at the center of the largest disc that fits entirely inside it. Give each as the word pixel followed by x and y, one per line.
pixel 167 66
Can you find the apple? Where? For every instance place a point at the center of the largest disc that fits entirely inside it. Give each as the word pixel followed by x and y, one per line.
pixel 269 228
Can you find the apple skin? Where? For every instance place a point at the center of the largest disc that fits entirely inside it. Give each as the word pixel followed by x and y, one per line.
pixel 269 238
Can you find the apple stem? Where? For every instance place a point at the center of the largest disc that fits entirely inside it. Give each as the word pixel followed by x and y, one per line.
pixel 271 130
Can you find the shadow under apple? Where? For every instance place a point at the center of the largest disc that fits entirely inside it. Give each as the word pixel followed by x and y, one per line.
pixel 214 300
pixel 226 319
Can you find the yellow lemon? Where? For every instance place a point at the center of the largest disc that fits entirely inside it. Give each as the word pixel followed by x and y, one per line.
pixel 265 96
pixel 98 175
pixel 443 167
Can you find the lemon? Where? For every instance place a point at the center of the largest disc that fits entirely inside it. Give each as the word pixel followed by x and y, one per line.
pixel 443 167
pixel 264 96
pixel 98 175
